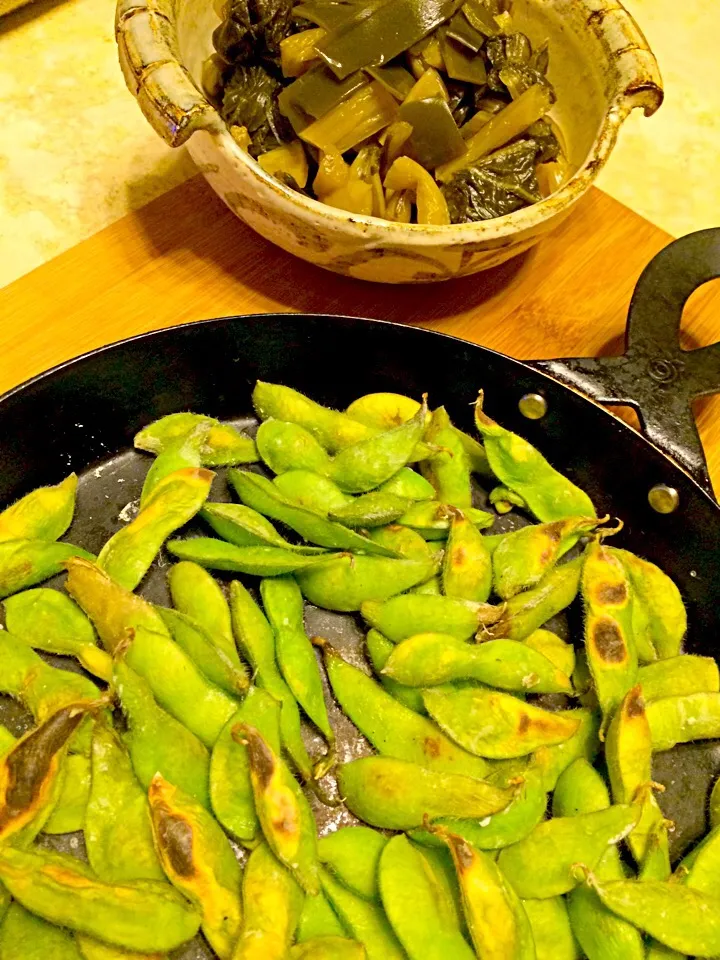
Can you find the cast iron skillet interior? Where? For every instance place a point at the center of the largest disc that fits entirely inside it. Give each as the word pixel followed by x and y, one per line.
pixel 82 416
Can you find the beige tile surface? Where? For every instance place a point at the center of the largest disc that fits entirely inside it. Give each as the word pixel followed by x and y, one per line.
pixel 76 153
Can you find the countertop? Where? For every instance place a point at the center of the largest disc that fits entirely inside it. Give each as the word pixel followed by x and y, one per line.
pixel 76 153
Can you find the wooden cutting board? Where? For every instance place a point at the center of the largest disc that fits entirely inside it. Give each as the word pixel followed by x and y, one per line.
pixel 185 257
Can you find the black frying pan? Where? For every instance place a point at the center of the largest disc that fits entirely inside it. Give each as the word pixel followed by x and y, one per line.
pixel 82 416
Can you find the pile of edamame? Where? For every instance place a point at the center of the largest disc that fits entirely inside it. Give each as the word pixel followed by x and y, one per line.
pixel 477 821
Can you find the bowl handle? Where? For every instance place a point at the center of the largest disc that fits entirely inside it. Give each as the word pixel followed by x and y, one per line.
pixel 150 62
pixel 635 75
pixel 654 375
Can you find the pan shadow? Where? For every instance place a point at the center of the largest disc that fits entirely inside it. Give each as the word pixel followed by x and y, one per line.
pixel 203 228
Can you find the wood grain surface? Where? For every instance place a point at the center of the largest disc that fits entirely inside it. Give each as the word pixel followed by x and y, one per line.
pixel 185 257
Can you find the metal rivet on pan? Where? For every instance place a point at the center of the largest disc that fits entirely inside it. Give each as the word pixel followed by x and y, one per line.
pixel 533 406
pixel 664 499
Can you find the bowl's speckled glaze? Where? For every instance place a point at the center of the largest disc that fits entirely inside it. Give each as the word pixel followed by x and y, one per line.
pixel 600 65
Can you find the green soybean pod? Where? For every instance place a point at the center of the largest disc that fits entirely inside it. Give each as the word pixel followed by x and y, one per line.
pixel 294 652
pixel 700 869
pixel 345 582
pixel 69 812
pixel 556 650
pixel 199 862
pixel 287 446
pixel 541 865
pixel 431 587
pixel 352 854
pixel 374 509
pixel 179 454
pixel 23 936
pixel 328 948
pixel 531 609
pixel 676 720
pixel 128 554
pixel 409 484
pixel 211 660
pixel 364 919
pixel 261 561
pixel 678 677
pixel 551 930
pixel 380 411
pixel 43 514
pixel 467 564
pixel 245 527
pixel 658 601
pixel 224 445
pixel 714 807
pixel 405 616
pixel 393 729
pixel 449 469
pixel 25 563
pixel 144 916
pixel 231 792
pixel 379 649
pixel 49 620
pixel 431 519
pixel 157 741
pixel 197 594
pixel 580 789
pixel 118 834
pixel 423 920
pixel 309 489
pixel 657 951
pixel 272 903
pixel 318 919
pixel 403 541
pixel 91 949
pixel 524 470
pixel 256 639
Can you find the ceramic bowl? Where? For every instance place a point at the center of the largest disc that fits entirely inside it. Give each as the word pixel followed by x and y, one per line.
pixel 601 68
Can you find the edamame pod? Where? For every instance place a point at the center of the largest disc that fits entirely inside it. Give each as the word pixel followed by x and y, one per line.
pixel 662 615
pixel 198 595
pixel 374 509
pixel 334 430
pixel 198 860
pixel 467 564
pixel 541 865
pixel 328 948
pixel 128 554
pixel 256 561
pixel 522 468
pixel 365 920
pixel 383 410
pixel 23 936
pixel 31 772
pixel 255 637
pixel 405 616
pixel 675 915
pixel 397 795
pixel 287 446
pixel 264 496
pixel 676 720
pixel 352 854
pixel 346 582
pixel 583 743
pixel 702 865
pixel 91 949
pixel 43 514
pixel 378 650
pixel 580 789
pixel 525 556
pixel 224 445
pixel 211 661
pixel 284 813
pixel 449 469
pixel 496 725
pixel 431 587
pixel 678 677
pixel 393 729
pixel 432 519
pixel 230 787
pixel 418 911
pixel 714 807
pixel 609 640
pixel 295 655
pixel 498 924
pixel 408 484
pixel 41 688
pixel 403 541
pixel 556 650
pixel 551 930
pixel 144 916
pixel 317 493
pixel 504 499
pixel 179 454
pixel 245 527
pixel 118 834
pixel 68 814
pixel 318 919
pixel 48 620
pixel 24 563
pixel 429 659
pixel 272 902
pixel 157 741
pixel 527 611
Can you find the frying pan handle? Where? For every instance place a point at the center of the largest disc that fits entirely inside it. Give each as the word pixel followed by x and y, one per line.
pixel 654 375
